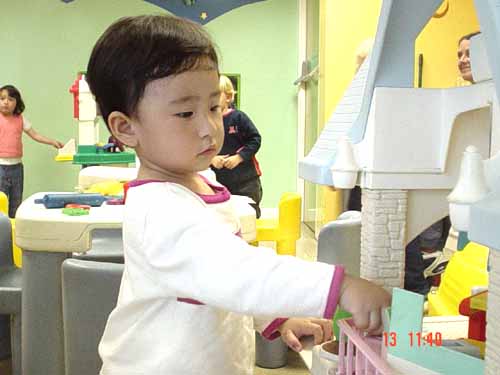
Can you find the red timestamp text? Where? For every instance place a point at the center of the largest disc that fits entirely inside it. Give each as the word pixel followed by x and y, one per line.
pixel 417 339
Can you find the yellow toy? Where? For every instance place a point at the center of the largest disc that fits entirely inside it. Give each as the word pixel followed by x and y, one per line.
pixel 106 188
pixel 285 229
pixel 4 204
pixel 16 251
pixel 467 269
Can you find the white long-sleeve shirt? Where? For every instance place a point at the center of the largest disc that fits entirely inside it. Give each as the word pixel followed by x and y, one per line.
pixel 190 288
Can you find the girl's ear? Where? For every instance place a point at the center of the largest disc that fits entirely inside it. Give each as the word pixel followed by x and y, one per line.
pixel 122 128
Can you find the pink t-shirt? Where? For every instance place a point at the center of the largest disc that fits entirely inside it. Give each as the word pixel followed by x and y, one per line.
pixel 11 131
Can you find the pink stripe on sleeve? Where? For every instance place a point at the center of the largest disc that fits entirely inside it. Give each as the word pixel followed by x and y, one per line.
pixel 190 301
pixel 271 332
pixel 334 292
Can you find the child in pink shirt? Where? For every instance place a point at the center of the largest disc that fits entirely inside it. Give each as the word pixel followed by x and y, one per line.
pixel 12 126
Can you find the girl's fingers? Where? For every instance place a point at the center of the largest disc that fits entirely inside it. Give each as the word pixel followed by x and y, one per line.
pixel 361 320
pixel 327 329
pixel 317 331
pixel 375 322
pixel 292 341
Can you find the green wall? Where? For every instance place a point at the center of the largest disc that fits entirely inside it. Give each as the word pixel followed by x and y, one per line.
pixel 46 42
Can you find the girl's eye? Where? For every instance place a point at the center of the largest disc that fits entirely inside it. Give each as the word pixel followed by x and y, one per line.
pixel 184 114
pixel 215 108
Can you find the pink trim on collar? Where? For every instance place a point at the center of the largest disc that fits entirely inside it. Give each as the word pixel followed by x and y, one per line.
pixel 221 192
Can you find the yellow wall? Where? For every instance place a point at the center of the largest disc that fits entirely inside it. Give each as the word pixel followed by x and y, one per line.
pixel 346 25
pixel 438 43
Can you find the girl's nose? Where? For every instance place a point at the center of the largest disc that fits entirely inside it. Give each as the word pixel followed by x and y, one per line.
pixel 207 127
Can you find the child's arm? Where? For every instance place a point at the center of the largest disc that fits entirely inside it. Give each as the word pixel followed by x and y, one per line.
pixel 250 137
pixel 231 162
pixel 218 161
pixel 364 300
pixel 42 139
pixel 186 251
pixel 189 254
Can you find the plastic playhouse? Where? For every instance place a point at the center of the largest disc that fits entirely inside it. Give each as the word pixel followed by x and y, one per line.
pixel 405 347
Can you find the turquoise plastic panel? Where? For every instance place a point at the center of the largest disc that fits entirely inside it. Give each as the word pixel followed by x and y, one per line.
pixel 406 321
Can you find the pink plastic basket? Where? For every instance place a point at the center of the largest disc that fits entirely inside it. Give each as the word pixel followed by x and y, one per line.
pixel 364 355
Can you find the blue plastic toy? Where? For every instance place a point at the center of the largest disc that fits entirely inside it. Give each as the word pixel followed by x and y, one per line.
pixel 61 200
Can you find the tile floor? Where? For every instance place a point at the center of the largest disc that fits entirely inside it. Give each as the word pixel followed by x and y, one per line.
pixel 306 249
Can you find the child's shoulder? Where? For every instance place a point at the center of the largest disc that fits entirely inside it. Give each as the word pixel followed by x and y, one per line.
pixel 164 204
pixel 237 117
pixel 159 193
pixel 11 118
pixel 162 187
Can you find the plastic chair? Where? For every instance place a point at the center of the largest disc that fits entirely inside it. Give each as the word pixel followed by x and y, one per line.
pixel 90 290
pixel 10 291
pixel 339 242
pixel 285 230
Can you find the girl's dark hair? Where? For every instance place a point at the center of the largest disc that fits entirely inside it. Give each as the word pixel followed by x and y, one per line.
pixel 134 51
pixel 468 36
pixel 14 93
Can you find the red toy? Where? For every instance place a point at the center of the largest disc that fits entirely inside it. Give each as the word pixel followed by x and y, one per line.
pixel 474 308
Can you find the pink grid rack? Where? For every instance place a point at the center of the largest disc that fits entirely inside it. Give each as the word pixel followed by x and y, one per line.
pixel 364 355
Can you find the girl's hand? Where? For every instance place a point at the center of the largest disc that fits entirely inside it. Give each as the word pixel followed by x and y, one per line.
pixel 232 162
pixel 57 144
pixel 293 329
pixel 365 301
pixel 218 161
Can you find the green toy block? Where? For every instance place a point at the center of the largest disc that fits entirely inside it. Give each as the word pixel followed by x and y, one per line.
pixel 93 155
pixel 339 314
